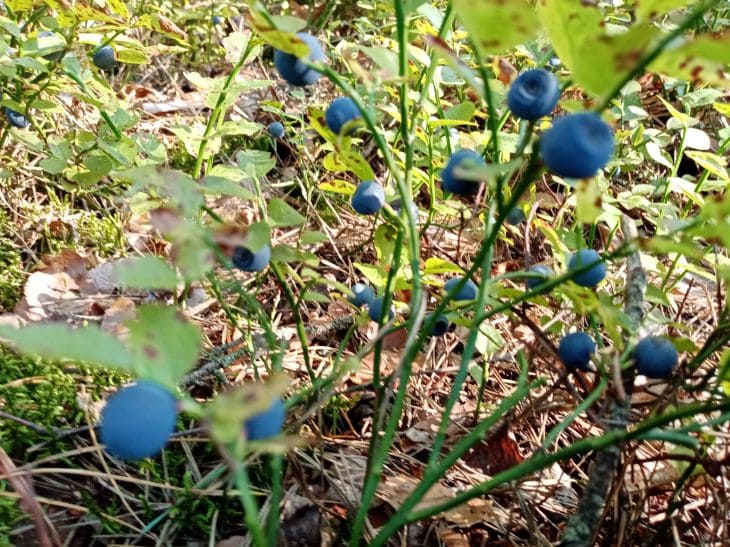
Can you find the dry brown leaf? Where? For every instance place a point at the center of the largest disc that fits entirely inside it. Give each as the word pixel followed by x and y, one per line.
pixel 42 292
pixel 452 538
pixel 115 315
pixel 395 490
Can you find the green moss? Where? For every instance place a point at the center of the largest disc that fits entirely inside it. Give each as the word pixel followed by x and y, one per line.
pixel 11 267
pixel 43 393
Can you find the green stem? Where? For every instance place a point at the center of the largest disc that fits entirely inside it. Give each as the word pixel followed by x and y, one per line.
pixel 216 114
pixel 240 477
pixel 104 115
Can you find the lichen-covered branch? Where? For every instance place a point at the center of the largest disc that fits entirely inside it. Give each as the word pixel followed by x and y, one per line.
pixel 584 524
pixel 220 357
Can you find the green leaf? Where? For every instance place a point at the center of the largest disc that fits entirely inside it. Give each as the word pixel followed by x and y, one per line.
pixel 649 9
pixel 462 112
pixel 258 235
pixel 375 275
pixel 338 186
pixel 255 163
pixel 282 214
pixel 285 253
pixel 146 272
pixel 178 186
pixel 438 266
pixel 60 341
pixel 497 25
pixel 703 59
pixel 235 45
pixel 165 344
pixel 225 187
pixel 312 238
pixel 357 164
pixel 288 23
pixel 569 25
pixel 712 162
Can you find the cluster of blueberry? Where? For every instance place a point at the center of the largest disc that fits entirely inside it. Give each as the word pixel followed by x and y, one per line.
pixel 104 58
pixel 577 145
pixel 138 420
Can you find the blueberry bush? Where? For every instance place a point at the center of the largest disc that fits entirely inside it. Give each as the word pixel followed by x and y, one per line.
pixel 446 272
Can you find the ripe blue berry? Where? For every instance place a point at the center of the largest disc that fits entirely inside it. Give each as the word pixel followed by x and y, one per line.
pixel 515 216
pixel 340 112
pixel 594 275
pixel 577 145
pixel 16 119
pixel 248 261
pixel 467 292
pixel 138 420
pixel 542 273
pixel 362 294
pixel 105 58
pixel 575 350
pixel 217 19
pixel 292 69
pixel 464 159
pixel 440 326
pixel 655 357
pixel 369 198
pixel 56 55
pixel 376 311
pixel 276 130
pixel 533 94
pixel 267 424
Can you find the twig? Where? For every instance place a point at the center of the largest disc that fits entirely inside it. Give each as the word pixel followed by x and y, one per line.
pixel 583 525
pixel 216 360
pixel 47 535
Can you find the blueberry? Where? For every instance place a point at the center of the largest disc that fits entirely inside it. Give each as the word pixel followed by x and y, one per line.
pixel 543 273
pixel 248 261
pixel 138 420
pixel 467 292
pixel 533 94
pixel 56 55
pixel 292 69
pixel 217 19
pixel 369 198
pixel 375 309
pixel 396 206
pixel 594 275
pixel 655 357
pixel 462 158
pixel 577 145
pixel 105 58
pixel 267 424
pixel 16 119
pixel 276 130
pixel 441 325
pixel 361 295
pixel 575 350
pixel 515 216
pixel 340 112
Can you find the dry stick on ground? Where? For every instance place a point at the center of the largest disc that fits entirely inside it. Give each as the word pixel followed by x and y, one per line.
pixel 584 524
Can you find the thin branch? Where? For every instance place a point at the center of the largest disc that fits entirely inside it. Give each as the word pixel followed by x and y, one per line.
pixel 584 524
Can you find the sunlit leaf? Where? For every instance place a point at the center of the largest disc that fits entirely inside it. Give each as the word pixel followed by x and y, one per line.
pixel 60 341
pixel 496 25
